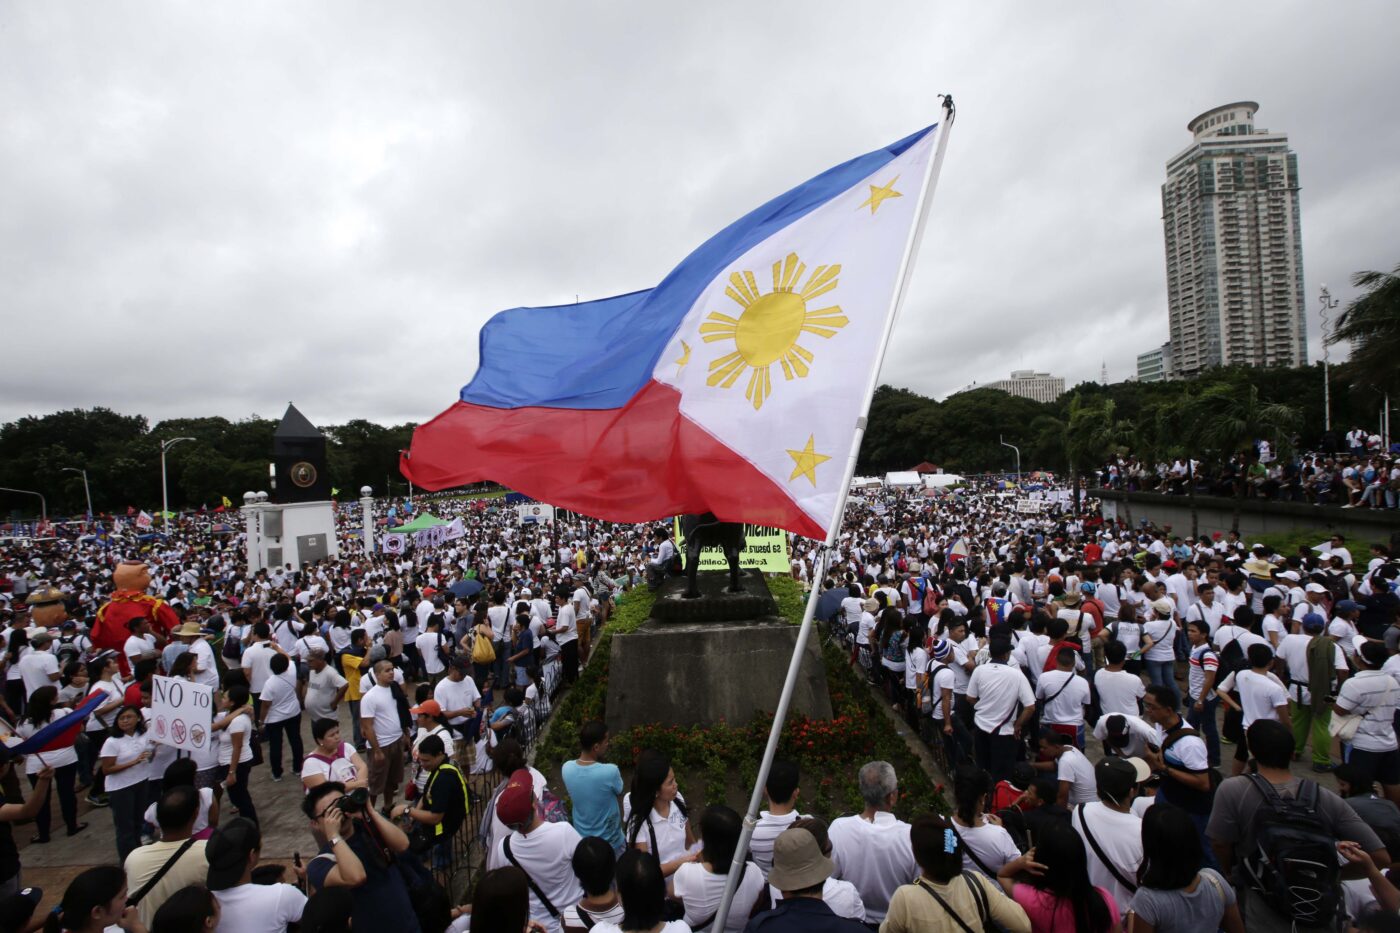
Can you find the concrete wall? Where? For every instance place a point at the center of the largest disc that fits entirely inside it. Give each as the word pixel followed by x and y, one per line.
pixel 1257 516
pixel 298 519
pixel 687 674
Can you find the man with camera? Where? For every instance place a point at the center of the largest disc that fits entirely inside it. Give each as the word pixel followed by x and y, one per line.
pixel 357 849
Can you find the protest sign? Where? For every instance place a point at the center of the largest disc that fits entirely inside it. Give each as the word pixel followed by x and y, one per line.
pixel 181 712
pixel 1029 506
pixel 766 550
pixel 534 512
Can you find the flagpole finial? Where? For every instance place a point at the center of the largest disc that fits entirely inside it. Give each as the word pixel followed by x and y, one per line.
pixel 948 106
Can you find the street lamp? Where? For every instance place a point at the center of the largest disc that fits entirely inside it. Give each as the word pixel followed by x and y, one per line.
pixel 43 503
pixel 86 490
pixel 1003 443
pixel 164 496
pixel 1328 304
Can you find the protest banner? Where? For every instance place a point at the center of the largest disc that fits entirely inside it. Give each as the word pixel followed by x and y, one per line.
pixel 534 512
pixel 181 712
pixel 765 549
pixel 1029 506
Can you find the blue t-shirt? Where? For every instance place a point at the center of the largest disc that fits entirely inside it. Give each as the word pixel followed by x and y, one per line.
pixel 593 790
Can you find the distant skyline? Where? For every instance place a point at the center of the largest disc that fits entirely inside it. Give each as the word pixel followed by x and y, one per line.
pixel 212 211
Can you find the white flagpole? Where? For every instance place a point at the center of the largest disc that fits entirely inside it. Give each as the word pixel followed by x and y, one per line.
pixel 799 651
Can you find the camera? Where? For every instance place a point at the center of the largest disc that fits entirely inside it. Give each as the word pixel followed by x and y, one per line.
pixel 355 803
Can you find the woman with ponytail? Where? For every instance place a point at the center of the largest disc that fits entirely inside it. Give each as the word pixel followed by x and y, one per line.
pixel 94 901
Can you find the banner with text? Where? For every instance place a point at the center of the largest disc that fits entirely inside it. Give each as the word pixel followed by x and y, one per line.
pixel 766 549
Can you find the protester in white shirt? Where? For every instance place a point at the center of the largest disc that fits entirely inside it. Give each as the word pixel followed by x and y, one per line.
pixel 871 849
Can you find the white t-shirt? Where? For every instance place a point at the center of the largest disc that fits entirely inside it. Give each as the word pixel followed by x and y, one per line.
pixel 1069 699
pixel 428 644
pixel 874 856
pixel 340 768
pixel 135 647
pixel 841 896
pixel 257 660
pixel 701 891
pixel 1293 651
pixel 1163 635
pixel 1260 694
pixel 1140 734
pixel 1074 767
pixel 1119 835
pixel 378 704
pixel 459 695
pixel 566 625
pixel 259 908
pixel 281 692
pixel 991 843
pixel 998 688
pixel 321 689
pixel 125 748
pixel 242 725
pixel 1119 692
pixel 545 856
pixel 204 661
pixel 35 668
pixel 669 830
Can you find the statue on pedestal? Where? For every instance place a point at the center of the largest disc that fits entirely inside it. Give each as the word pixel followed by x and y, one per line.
pixel 702 531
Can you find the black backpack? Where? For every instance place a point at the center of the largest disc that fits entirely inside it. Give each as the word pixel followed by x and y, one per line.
pixel 1230 660
pixel 1294 862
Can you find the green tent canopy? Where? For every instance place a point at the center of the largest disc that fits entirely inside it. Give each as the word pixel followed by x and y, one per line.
pixel 425 520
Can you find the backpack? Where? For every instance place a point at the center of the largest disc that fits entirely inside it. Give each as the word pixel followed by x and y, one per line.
pixel 930 600
pixel 1294 862
pixel 1231 659
pixel 894 648
pixel 233 645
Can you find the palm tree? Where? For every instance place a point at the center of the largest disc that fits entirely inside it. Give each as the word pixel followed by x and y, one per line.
pixel 1083 437
pixel 1226 420
pixel 1371 324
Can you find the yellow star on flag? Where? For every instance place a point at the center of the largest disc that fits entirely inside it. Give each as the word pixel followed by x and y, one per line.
pixel 806 461
pixel 878 195
pixel 683 358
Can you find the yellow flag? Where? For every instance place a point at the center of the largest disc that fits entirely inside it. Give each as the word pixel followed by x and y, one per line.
pixel 227 503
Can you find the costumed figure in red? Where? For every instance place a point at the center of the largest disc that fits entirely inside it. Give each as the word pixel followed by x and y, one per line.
pixel 130 602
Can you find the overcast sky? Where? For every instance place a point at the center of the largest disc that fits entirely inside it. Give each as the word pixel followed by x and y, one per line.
pixel 217 208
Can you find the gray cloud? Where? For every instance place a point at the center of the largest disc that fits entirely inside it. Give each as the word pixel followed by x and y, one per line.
pixel 215 210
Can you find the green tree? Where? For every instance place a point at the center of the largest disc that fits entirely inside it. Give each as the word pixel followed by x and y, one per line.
pixel 1371 324
pixel 1223 420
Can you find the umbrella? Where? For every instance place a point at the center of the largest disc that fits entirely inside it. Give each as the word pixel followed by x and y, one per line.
pixel 829 603
pixel 426 520
pixel 465 589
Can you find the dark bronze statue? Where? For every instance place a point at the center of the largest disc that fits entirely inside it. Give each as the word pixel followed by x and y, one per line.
pixel 702 531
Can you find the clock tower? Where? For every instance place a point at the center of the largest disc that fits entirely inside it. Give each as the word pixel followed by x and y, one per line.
pixel 299 460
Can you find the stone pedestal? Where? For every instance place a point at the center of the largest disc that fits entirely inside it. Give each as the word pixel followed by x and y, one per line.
pixel 686 667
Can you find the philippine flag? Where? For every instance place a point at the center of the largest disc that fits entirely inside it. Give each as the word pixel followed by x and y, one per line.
pixel 732 387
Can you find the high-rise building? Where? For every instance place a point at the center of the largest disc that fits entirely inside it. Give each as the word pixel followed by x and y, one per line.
pixel 1234 246
pixel 1027 383
pixel 1155 365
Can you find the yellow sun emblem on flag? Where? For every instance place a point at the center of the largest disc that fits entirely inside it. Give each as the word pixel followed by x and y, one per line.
pixel 769 326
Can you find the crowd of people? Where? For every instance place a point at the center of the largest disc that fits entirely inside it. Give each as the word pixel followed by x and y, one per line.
pixel 1081 683
pixel 1358 474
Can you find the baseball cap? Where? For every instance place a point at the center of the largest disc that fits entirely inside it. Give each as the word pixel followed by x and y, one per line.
pixel 798 861
pixel 1116 776
pixel 17 909
pixel 427 708
pixel 516 805
pixel 1289 575
pixel 1163 605
pixel 1315 588
pixel 1347 605
pixel 1313 620
pixel 228 849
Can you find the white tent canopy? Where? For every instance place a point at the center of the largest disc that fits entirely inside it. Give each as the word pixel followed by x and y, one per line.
pixel 905 478
pixel 935 480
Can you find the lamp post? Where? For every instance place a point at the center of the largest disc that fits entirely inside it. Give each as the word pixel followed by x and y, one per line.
pixel 43 503
pixel 87 492
pixel 1003 443
pixel 164 496
pixel 1328 304
pixel 367 516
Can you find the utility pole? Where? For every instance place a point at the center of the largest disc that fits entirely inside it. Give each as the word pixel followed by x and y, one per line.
pixel 164 496
pixel 1001 440
pixel 87 492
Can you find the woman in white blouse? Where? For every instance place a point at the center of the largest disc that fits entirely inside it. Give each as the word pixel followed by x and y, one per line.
pixel 125 755
pixel 62 758
pixel 235 731
pixel 699 885
pixel 655 816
